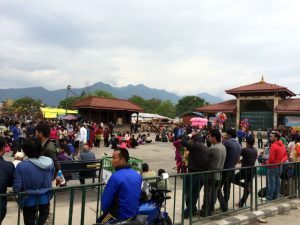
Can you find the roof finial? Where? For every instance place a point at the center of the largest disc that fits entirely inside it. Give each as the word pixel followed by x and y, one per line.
pixel 262 79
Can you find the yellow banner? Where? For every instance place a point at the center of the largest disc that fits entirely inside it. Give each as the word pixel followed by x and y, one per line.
pixel 51 113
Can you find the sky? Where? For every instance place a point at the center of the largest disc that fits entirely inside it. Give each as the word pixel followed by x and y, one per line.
pixel 182 46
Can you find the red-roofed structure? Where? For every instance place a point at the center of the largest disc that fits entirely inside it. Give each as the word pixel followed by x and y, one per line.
pixel 105 110
pixel 260 88
pixel 266 105
pixel 290 106
pixel 226 107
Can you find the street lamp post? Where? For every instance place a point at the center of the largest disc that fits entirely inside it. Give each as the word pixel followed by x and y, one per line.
pixel 68 88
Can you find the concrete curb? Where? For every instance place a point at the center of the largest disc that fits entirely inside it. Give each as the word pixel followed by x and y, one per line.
pixel 252 217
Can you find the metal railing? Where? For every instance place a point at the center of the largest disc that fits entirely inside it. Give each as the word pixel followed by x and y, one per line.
pixel 256 180
pixel 65 200
pixel 81 204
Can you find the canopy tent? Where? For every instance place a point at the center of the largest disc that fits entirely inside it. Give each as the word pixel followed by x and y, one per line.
pixel 52 113
pixel 145 117
pixel 70 117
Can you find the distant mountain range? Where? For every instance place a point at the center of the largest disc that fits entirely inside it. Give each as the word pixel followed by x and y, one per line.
pixel 52 98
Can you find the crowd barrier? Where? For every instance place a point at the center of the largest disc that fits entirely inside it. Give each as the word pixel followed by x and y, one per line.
pixel 81 204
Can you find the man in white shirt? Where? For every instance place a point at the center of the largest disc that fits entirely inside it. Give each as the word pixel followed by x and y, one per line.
pixel 83 136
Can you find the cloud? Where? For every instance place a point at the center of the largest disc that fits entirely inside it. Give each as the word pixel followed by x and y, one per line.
pixel 181 46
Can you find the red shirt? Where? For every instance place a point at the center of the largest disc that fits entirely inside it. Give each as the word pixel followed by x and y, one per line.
pixel 277 153
pixel 53 134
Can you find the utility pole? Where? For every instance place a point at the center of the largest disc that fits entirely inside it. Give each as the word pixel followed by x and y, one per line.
pixel 68 88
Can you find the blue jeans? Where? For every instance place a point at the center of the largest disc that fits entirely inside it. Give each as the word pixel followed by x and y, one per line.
pixel 273 181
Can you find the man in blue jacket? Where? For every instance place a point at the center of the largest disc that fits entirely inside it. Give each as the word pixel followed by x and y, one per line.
pixel 120 199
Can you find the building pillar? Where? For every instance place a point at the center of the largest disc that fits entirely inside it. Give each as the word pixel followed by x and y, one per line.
pixel 275 115
pixel 238 114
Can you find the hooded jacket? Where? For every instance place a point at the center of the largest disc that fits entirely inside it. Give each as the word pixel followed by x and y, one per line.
pixel 34 176
pixel 277 153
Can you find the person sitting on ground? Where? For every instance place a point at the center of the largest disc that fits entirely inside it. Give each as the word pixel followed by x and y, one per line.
pixel 19 156
pixel 164 136
pixel 114 141
pixel 121 196
pixel 146 173
pixel 148 139
pixel 127 139
pixel 86 155
pixel 140 140
pixel 119 137
pixel 133 142
pixel 162 184
pixel 122 143
pixel 157 137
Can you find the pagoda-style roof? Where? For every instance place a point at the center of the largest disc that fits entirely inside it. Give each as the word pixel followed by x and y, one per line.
pixel 261 87
pixel 93 102
pixel 226 107
pixel 288 106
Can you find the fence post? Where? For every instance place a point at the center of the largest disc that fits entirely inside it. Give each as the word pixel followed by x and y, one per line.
pixel 298 178
pixel 183 198
pixel 255 188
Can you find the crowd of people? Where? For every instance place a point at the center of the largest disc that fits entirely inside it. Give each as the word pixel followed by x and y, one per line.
pixel 45 144
pixel 208 150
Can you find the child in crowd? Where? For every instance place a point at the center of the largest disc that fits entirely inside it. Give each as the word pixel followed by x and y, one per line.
pixel 140 140
pixel 162 184
pixel 148 139
pixel 133 142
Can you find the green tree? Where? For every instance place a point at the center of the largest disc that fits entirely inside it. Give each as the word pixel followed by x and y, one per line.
pixel 27 106
pixel 153 104
pixel 189 104
pixel 104 94
pixel 69 102
pixel 139 101
pixel 166 108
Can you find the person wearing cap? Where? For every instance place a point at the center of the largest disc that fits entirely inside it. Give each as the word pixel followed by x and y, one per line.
pixel 7 176
pixel 249 156
pixel 19 156
pixel 278 155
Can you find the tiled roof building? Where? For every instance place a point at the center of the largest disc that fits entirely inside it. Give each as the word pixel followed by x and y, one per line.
pixel 106 110
pixel 266 105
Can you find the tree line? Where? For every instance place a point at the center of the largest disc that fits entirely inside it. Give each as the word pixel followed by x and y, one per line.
pixel 30 106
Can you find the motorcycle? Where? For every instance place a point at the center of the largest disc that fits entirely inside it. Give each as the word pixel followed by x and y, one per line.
pixel 152 202
pixel 150 210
